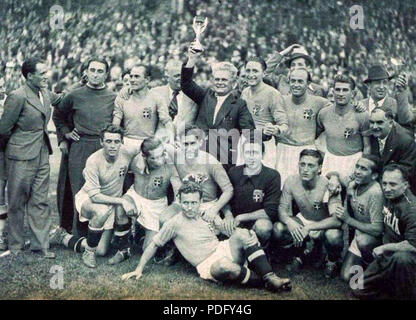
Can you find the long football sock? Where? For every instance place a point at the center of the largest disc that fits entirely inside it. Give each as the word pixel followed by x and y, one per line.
pixel 93 237
pixel 121 235
pixel 74 243
pixel 257 260
pixel 249 278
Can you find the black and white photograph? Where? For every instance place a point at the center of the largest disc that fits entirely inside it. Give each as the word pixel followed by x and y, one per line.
pixel 215 150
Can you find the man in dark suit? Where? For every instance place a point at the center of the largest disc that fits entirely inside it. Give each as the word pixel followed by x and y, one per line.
pixel 222 115
pixel 377 82
pixel 392 143
pixel 23 128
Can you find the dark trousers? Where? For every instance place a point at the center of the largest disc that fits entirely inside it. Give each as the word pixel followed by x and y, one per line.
pixel 393 274
pixel 64 196
pixel 78 155
pixel 28 185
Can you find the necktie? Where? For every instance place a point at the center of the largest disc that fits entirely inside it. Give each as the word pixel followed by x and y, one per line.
pixel 173 105
pixel 41 98
pixel 381 146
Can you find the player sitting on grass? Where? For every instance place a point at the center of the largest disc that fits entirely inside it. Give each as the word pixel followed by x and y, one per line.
pixel 214 260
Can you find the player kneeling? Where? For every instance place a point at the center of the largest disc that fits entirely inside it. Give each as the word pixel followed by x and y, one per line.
pixel 314 224
pixel 100 198
pixel 214 260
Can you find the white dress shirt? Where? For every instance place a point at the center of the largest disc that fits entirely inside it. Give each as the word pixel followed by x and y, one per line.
pixel 220 101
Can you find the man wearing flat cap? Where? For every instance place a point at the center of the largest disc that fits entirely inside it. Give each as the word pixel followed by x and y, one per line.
pixel 377 82
pixel 293 57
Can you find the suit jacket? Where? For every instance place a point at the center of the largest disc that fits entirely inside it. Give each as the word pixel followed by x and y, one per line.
pixel 400 108
pixel 24 125
pixel 400 148
pixel 233 114
pixel 187 109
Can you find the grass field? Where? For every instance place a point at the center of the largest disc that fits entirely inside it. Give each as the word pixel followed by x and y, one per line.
pixel 32 281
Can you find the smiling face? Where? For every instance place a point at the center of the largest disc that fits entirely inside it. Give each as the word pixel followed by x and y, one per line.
pixel 254 73
pixel 222 82
pixel 111 144
pixel 138 79
pixel 96 73
pixel 363 172
pixel 298 82
pixel 380 125
pixel 39 78
pixel 378 89
pixel 393 184
pixel 342 93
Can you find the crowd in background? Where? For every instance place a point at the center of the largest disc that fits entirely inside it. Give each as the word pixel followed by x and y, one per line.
pixel 151 32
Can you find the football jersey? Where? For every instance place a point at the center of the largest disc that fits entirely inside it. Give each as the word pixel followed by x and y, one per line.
pixel 266 105
pixel 208 172
pixel 105 177
pixel 311 203
pixel 400 219
pixel 366 207
pixel 302 120
pixel 344 134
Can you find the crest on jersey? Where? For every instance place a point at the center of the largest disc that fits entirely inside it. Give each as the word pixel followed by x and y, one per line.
pixel 147 113
pixel 158 181
pixel 308 114
pixel 348 132
pixel 360 208
pixel 258 195
pixel 122 171
pixel 196 177
pixel 257 109
pixel 317 205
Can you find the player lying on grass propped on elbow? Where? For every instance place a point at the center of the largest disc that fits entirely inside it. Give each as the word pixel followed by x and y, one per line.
pixel 215 260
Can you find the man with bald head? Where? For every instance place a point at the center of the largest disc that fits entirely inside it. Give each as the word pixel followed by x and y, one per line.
pixel 181 108
pixel 301 108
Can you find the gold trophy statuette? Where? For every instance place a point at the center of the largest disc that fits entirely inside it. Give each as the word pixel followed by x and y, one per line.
pixel 199 26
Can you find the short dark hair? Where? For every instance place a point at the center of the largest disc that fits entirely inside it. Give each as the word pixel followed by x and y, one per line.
pixel 150 144
pixel 387 112
pixel 259 60
pixel 312 153
pixel 343 78
pixel 29 66
pixel 192 130
pixel 110 128
pixel 100 60
pixel 376 167
pixel 147 71
pixel 395 167
pixel 190 187
pixel 252 137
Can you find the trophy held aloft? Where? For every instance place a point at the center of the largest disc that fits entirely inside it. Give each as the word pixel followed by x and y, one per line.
pixel 199 25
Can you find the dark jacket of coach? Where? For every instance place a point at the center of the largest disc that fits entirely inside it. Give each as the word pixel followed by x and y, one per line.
pixel 392 143
pixel 222 115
